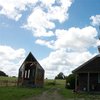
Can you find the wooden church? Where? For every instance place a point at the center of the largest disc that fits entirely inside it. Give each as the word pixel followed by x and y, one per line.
pixel 31 73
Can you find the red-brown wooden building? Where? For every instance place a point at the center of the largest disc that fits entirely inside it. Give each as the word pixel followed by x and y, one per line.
pixel 31 73
pixel 88 75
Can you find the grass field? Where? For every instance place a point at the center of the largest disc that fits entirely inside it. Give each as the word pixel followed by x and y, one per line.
pixel 79 96
pixel 8 81
pixel 8 78
pixel 69 94
pixel 19 93
pixel 16 93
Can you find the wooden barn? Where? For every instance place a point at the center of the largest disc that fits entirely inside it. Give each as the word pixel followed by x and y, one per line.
pixel 31 73
pixel 87 76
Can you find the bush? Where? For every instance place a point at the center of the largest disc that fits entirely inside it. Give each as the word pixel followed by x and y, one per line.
pixel 70 81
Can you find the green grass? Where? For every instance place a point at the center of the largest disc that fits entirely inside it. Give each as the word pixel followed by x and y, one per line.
pixel 8 81
pixel 57 82
pixel 68 94
pixel 8 78
pixel 17 93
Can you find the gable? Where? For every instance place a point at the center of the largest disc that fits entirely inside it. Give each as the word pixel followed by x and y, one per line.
pixel 31 58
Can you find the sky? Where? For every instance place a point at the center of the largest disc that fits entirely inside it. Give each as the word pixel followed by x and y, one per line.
pixel 61 34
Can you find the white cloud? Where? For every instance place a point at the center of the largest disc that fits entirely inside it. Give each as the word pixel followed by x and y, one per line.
pixel 44 13
pixel 42 19
pixel 13 8
pixel 47 2
pixel 44 42
pixel 11 59
pixel 60 13
pixel 74 39
pixel 63 61
pixel 70 50
pixel 38 22
pixel 95 20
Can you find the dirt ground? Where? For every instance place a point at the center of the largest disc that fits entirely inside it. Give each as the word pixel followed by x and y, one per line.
pixel 51 94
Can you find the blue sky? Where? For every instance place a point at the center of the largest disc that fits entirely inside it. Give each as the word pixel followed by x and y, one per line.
pixel 61 34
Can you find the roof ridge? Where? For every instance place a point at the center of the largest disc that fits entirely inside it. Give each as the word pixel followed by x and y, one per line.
pixel 98 55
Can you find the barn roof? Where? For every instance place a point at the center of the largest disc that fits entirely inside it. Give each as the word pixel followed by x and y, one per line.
pixel 31 58
pixel 92 65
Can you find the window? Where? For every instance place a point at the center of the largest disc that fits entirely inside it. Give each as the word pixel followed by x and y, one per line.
pixel 25 73
pixel 29 73
pixel 98 77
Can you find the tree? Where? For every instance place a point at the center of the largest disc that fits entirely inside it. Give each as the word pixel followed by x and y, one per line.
pixel 70 81
pixel 2 73
pixel 60 76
